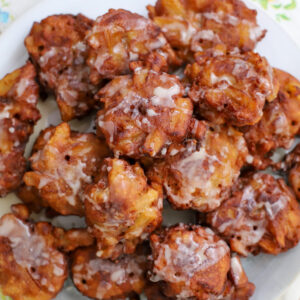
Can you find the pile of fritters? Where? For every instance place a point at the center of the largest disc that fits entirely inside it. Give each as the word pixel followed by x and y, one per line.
pixel 202 141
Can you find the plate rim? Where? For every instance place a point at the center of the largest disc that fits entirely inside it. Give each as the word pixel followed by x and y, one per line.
pixel 40 7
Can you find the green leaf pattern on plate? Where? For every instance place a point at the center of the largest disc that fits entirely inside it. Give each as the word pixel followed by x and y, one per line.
pixel 264 3
pixel 291 5
pixel 4 3
pixel 2 297
pixel 280 8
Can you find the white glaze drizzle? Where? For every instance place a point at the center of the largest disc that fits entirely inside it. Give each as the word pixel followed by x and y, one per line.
pixel 31 252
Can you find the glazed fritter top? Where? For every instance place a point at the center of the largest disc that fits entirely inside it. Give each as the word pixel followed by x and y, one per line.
pixel 191 26
pixel 18 114
pixel 58 49
pixel 189 261
pixel 280 122
pixel 231 88
pixel 63 163
pixel 198 174
pixel 122 208
pixel 144 113
pixel 262 214
pixel 120 37
pixel 104 279
pixel 31 266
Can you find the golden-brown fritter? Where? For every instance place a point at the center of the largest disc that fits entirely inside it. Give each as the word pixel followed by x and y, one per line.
pixel 31 268
pixel 199 173
pixel 69 240
pixel 144 112
pixel 18 114
pixel 262 214
pixel 237 286
pixel 231 88
pixel 63 163
pixel 122 209
pixel 57 47
pixel 191 26
pixel 105 279
pixel 291 164
pixel 279 124
pixel 152 292
pixel 31 198
pixel 120 37
pixel 30 194
pixel 189 262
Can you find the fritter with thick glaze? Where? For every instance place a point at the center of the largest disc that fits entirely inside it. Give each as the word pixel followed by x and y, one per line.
pixel 237 286
pixel 105 279
pixel 199 173
pixel 279 124
pixel 189 262
pixel 120 37
pixel 144 112
pixel 191 26
pixel 63 163
pixel 18 114
pixel 57 47
pixel 262 214
pixel 231 88
pixel 31 268
pixel 122 209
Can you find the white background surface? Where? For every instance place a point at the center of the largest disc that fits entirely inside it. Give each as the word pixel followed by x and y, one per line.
pixel 273 276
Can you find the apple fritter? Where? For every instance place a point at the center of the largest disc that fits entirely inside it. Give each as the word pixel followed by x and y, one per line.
pixel 237 286
pixel 69 240
pixel 191 26
pixel 279 124
pixel 58 48
pixel 120 37
pixel 122 208
pixel 31 268
pixel 30 194
pixel 199 173
pixel 31 198
pixel 262 214
pixel 63 163
pixel 231 88
pixel 105 279
pixel 144 112
pixel 18 114
pixel 153 292
pixel 291 165
pixel 189 262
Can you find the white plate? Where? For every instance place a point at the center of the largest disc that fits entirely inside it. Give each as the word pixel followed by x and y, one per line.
pixel 271 275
